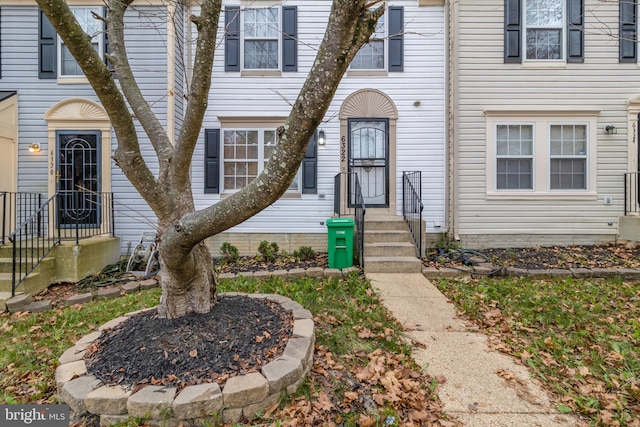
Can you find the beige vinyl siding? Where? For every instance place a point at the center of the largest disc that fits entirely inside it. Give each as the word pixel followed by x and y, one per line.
pixel 485 82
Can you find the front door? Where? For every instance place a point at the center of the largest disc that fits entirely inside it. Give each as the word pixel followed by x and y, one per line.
pixel 369 160
pixel 78 178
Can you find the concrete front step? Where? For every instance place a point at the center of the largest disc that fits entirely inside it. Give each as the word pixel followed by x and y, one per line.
pixel 385 222
pixel 390 248
pixel 379 236
pixel 392 264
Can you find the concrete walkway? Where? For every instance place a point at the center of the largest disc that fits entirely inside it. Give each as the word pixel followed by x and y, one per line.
pixel 479 386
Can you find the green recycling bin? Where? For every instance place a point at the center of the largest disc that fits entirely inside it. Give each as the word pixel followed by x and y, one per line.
pixel 340 242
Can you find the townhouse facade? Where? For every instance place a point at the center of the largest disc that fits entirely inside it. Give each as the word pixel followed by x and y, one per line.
pixel 388 115
pixel 545 117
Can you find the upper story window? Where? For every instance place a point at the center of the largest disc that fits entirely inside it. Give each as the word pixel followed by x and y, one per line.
pixel 385 49
pixel 67 65
pixel 261 38
pixel 543 30
pixel 544 20
pixel 371 56
pixel 261 34
pixel 54 58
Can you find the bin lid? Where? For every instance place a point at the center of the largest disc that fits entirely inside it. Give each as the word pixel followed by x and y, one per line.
pixel 340 222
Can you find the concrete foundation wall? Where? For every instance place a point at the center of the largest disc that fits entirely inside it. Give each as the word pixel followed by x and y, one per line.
pixel 629 228
pixel 90 256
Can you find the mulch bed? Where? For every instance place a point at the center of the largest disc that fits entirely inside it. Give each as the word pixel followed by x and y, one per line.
pixel 606 255
pixel 282 262
pixel 239 335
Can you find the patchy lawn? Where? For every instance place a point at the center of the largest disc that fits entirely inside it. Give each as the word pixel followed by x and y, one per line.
pixel 362 375
pixel 581 338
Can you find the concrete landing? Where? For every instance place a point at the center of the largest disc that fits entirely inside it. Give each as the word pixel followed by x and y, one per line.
pixel 478 386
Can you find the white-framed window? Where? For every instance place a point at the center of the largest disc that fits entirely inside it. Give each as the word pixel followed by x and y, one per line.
pixel 245 153
pixel 67 65
pixel 544 29
pixel 372 56
pixel 541 154
pixel 261 43
pixel 568 158
pixel 514 156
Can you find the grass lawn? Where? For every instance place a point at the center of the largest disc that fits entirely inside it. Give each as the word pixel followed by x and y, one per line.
pixel 581 338
pixel 363 373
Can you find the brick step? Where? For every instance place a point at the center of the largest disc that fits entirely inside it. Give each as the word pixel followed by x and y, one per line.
pixel 392 264
pixel 390 248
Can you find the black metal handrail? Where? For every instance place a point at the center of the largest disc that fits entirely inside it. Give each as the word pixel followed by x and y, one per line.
pixel 356 201
pixel 412 206
pixel 68 215
pixel 631 193
pixel 82 214
pixel 31 243
pixel 16 207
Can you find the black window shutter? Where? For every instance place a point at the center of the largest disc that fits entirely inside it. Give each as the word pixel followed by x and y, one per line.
pixel 628 31
pixel 396 38
pixel 310 167
pixel 47 41
pixel 232 39
pixel 289 38
pixel 512 31
pixel 105 41
pixel 575 30
pixel 212 161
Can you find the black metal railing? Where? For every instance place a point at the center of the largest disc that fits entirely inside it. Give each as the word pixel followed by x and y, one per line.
pixel 412 206
pixel 360 209
pixel 82 214
pixel 356 202
pixel 31 242
pixel 70 215
pixel 631 193
pixel 15 208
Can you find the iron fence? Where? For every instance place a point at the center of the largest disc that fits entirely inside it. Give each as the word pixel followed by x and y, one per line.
pixel 412 206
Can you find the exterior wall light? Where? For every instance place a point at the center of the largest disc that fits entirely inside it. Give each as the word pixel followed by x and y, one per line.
pixel 321 138
pixel 34 147
pixel 610 129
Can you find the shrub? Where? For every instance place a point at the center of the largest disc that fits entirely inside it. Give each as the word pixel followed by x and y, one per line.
pixel 268 250
pixel 229 252
pixel 305 253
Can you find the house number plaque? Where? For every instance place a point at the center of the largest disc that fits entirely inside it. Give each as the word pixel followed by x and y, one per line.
pixel 343 153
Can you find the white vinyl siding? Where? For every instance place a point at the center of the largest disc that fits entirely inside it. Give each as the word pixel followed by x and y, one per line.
pixel 421 128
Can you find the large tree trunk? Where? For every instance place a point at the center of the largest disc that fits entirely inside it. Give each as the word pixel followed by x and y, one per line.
pixel 190 288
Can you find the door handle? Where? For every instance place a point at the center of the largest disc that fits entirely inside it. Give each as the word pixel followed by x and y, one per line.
pixel 57 177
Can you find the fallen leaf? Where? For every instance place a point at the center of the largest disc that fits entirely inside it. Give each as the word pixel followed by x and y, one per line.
pixel 194 352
